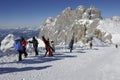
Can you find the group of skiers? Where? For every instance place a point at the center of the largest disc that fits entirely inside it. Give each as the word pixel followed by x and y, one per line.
pixel 20 46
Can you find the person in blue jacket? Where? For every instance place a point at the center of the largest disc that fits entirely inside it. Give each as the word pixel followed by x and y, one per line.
pixel 71 44
pixel 18 47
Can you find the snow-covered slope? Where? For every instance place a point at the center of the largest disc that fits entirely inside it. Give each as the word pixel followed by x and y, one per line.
pixel 99 63
pixel 112 26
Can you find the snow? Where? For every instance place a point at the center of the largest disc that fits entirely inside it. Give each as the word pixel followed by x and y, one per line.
pixel 7 42
pixel 85 21
pixel 41 43
pixel 102 62
pixel 116 38
pixel 99 63
pixel 112 26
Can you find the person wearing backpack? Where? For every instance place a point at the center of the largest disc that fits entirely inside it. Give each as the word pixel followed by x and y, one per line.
pixel 35 45
pixel 24 46
pixel 48 47
pixel 18 47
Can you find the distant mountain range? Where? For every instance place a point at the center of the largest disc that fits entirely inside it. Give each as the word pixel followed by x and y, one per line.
pixel 18 32
pixel 20 27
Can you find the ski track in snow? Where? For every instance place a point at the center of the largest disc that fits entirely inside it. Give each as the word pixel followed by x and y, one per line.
pixel 100 63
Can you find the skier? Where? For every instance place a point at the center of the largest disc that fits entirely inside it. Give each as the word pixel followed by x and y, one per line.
pixel 116 46
pixel 52 45
pixel 47 46
pixel 35 45
pixel 18 47
pixel 24 46
pixel 71 44
pixel 91 44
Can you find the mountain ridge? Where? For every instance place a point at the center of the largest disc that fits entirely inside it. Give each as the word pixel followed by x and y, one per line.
pixel 82 22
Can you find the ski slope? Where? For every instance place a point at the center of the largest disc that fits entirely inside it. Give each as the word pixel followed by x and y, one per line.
pixel 99 63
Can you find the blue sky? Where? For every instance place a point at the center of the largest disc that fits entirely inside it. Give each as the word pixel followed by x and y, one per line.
pixel 34 12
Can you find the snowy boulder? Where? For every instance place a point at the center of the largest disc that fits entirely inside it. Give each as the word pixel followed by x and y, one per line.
pixel 7 42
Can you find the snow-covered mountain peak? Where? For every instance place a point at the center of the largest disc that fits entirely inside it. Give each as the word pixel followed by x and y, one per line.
pixel 81 7
pixel 49 20
pixel 84 23
pixel 66 10
pixel 69 22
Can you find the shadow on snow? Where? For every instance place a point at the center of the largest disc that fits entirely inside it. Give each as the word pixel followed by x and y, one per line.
pixel 40 59
pixel 13 69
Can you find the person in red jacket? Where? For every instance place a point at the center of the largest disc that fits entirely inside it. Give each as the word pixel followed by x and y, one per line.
pixel 47 46
pixel 91 44
pixel 24 46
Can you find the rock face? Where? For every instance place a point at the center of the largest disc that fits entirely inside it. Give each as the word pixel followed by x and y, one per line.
pixel 81 22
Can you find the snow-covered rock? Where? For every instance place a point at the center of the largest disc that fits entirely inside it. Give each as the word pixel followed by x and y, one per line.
pixel 70 22
pixel 84 23
pixel 7 42
pixel 111 27
pixel 8 49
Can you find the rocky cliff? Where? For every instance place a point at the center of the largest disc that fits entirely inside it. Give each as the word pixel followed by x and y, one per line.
pixel 81 22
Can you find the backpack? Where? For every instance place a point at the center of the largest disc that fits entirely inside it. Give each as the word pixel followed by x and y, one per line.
pixel 18 45
pixel 23 43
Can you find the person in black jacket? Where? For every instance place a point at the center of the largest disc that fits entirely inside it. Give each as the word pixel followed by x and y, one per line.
pixel 0 44
pixel 35 45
